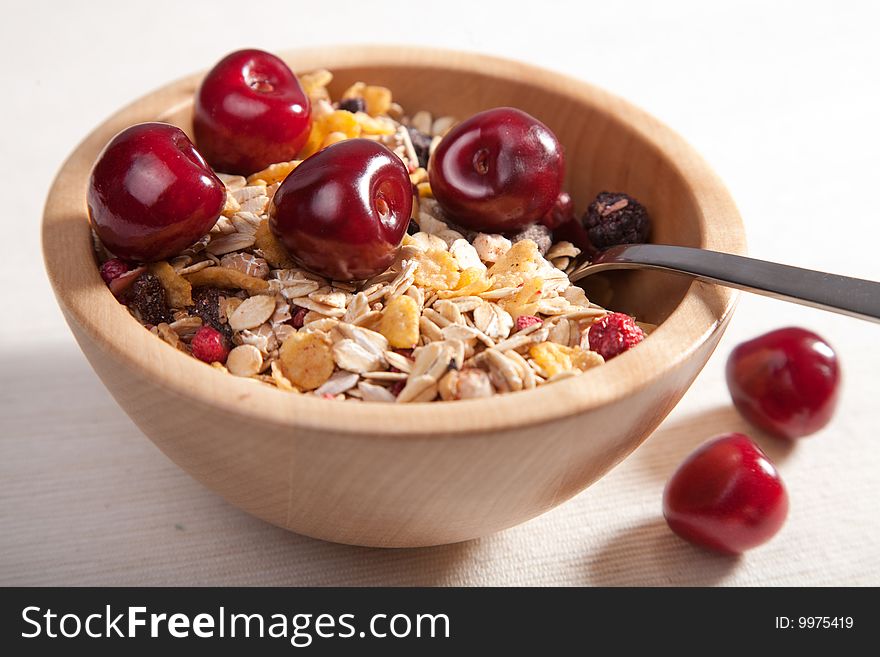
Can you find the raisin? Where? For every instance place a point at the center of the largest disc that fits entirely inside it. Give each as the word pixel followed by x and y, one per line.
pixel 616 218
pixel 147 296
pixel 353 105
pixel 422 145
pixel 298 318
pixel 206 304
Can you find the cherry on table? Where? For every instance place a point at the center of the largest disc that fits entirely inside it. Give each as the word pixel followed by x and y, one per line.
pixel 785 382
pixel 151 194
pixel 499 171
pixel 343 212
pixel 250 112
pixel 726 496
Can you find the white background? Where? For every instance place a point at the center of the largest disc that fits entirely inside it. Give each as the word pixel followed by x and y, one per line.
pixel 781 98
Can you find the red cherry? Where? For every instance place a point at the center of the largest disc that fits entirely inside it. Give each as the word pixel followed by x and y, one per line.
pixel 785 382
pixel 250 112
pixel 151 194
pixel 727 496
pixel 498 171
pixel 343 212
pixel 561 212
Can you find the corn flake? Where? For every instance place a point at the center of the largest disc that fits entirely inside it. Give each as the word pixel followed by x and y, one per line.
pixel 274 173
pixel 306 359
pixel 556 358
pixel 525 301
pixel 377 99
pixel 400 322
pixel 437 270
pixel 514 267
pixel 471 282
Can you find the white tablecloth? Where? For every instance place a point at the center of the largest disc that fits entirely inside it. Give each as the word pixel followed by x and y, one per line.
pixel 781 98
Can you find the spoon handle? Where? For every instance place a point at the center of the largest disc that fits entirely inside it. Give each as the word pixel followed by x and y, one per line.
pixel 841 294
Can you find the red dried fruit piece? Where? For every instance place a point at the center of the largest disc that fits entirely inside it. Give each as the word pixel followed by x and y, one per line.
pixel 298 318
pixel 113 269
pixel 614 334
pixel 396 387
pixel 209 345
pixel 527 320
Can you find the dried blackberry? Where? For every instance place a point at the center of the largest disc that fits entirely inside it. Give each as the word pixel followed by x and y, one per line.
pixel 353 105
pixel 422 145
pixel 538 233
pixel 616 218
pixel 147 296
pixel 206 304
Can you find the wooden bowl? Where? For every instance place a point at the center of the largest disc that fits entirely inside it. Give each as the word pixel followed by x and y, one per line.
pixel 423 474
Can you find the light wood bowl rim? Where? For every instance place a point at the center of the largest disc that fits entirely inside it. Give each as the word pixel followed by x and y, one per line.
pixel 85 298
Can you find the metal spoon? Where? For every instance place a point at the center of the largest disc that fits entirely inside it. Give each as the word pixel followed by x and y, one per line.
pixel 840 294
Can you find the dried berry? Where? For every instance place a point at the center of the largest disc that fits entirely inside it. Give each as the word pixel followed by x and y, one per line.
pixel 396 387
pixel 147 296
pixel 206 304
pixel 614 334
pixel 209 345
pixel 298 318
pixel 538 233
pixel 113 269
pixel 616 218
pixel 422 145
pixel 413 228
pixel 353 105
pixel 524 321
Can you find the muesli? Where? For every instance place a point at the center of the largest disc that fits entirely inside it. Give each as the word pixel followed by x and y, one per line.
pixel 458 313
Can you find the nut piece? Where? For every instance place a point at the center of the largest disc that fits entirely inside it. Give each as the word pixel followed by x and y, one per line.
pixel 306 359
pixel 400 322
pixel 244 360
pixel 252 312
pixel 473 383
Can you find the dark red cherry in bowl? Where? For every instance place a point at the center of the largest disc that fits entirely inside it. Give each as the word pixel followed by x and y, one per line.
pixel 151 194
pixel 343 212
pixel 727 496
pixel 785 382
pixel 499 171
pixel 250 112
